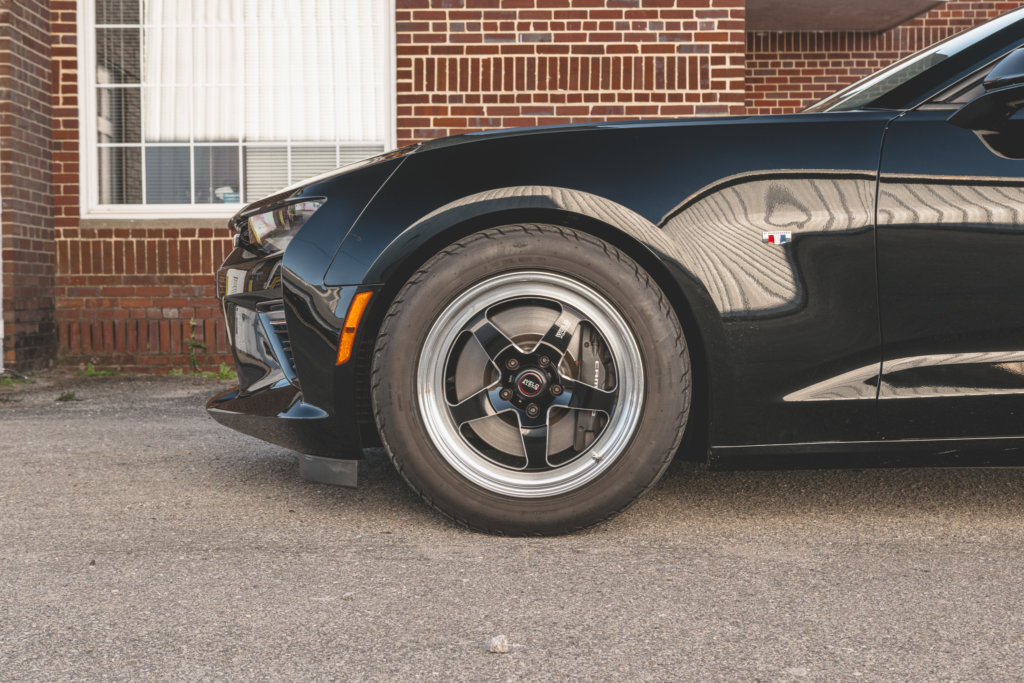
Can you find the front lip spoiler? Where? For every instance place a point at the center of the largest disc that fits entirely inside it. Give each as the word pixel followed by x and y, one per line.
pixel 278 415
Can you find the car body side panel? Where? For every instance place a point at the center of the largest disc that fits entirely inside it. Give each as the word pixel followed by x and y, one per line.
pixel 951 272
pixel 787 324
pixel 762 232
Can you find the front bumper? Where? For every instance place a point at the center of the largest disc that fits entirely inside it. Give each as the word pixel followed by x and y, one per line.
pixel 278 415
pixel 284 324
pixel 269 402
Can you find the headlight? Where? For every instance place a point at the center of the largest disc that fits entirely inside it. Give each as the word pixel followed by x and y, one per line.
pixel 273 230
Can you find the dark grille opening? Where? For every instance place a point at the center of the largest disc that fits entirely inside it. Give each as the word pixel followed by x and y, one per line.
pixel 280 328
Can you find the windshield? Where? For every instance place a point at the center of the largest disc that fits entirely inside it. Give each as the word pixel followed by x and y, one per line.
pixel 864 92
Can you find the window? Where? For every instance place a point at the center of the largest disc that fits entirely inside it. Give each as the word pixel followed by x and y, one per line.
pixel 191 105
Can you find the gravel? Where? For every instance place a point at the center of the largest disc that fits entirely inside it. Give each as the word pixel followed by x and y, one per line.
pixel 138 538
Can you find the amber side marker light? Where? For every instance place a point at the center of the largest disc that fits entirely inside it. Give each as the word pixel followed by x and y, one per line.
pixel 348 333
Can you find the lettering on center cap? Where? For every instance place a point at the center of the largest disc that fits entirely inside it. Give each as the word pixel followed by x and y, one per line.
pixel 530 384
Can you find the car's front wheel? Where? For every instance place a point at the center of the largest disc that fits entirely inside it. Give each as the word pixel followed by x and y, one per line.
pixel 530 379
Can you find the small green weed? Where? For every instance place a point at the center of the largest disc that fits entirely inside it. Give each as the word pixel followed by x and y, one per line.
pixel 223 372
pixel 91 371
pixel 192 343
pixel 67 396
pixel 10 378
pixel 226 372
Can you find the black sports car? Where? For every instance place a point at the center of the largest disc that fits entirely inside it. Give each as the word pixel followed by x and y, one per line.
pixel 532 320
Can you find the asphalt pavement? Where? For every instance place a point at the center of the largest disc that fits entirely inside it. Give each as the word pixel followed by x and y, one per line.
pixel 141 540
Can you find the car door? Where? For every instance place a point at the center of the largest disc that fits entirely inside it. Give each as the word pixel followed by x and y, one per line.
pixel 950 231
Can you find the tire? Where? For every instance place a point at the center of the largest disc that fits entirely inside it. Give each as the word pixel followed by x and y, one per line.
pixel 530 380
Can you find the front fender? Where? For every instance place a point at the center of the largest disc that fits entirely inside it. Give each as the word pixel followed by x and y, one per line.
pixel 616 224
pixel 608 220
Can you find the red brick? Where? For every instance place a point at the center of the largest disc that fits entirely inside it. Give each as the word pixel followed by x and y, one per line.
pixel 785 71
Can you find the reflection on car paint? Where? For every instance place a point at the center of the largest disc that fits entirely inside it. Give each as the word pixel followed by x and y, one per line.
pixel 970 211
pixel 722 228
pixel 988 203
pixel 927 376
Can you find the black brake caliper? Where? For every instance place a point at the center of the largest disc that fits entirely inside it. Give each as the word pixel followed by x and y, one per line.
pixel 592 372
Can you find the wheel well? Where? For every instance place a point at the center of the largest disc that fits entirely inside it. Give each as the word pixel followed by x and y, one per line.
pixel 696 438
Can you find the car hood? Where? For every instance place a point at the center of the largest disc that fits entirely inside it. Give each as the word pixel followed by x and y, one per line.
pixel 480 136
pixel 468 138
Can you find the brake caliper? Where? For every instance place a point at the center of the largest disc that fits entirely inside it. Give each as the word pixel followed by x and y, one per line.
pixel 591 371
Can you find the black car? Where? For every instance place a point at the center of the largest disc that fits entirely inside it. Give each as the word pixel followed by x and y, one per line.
pixel 534 322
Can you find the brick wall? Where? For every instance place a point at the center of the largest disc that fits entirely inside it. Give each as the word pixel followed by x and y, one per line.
pixel 788 71
pixel 477 64
pixel 126 290
pixel 25 184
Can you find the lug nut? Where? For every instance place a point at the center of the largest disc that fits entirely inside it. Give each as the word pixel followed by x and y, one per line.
pixel 556 390
pixel 533 410
pixel 505 394
pixel 545 361
pixel 512 363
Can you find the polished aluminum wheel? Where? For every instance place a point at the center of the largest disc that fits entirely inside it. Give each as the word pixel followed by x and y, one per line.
pixel 530 384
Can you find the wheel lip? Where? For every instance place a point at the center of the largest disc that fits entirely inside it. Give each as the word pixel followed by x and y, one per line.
pixel 444 433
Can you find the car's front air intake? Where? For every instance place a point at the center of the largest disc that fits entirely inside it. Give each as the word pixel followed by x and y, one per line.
pixel 277 325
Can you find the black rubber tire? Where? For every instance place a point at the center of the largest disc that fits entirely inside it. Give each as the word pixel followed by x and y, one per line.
pixel 628 287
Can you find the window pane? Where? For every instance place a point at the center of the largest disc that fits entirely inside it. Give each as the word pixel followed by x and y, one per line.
pixel 120 171
pixel 270 88
pixel 217 12
pixel 311 161
pixel 316 119
pixel 217 55
pixel 168 114
pixel 217 114
pixel 266 171
pixel 167 58
pixel 117 11
pixel 119 113
pixel 217 175
pixel 343 97
pixel 117 55
pixel 167 12
pixel 168 176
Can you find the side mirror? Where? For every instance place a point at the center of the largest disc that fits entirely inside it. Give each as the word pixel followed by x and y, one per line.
pixel 1010 71
pixel 1003 96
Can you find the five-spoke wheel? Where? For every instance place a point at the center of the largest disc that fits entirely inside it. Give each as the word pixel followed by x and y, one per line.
pixel 530 383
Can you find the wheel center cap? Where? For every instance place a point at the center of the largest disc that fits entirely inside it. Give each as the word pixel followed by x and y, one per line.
pixel 530 383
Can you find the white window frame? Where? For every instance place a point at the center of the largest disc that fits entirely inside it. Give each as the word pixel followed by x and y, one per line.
pixel 88 176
